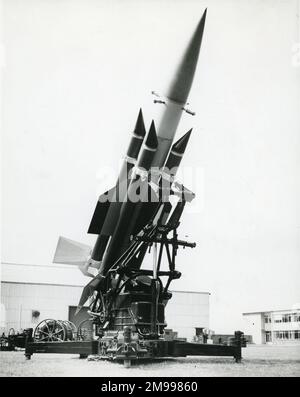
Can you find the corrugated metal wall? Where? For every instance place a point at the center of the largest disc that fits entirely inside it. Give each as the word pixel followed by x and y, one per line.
pixel 186 311
pixel 52 301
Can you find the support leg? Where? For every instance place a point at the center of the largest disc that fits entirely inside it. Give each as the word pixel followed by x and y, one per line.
pixel 238 346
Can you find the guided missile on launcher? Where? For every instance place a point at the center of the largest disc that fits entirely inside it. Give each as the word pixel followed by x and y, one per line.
pixel 127 295
pixel 117 217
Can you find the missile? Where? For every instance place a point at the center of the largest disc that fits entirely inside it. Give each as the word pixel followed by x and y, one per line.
pixel 106 212
pixel 119 243
pixel 130 208
pixel 172 110
pixel 131 211
pixel 173 161
pixel 149 149
pixel 119 192
pixel 163 189
pixel 123 211
pixel 177 96
pixel 105 228
pixel 176 99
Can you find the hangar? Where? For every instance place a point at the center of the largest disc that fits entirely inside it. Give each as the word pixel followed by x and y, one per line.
pixel 31 293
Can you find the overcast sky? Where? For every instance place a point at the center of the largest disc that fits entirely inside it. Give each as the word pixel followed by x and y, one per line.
pixel 76 73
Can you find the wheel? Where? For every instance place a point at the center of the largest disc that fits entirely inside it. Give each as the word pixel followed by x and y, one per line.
pixel 71 330
pixel 74 328
pixel 85 330
pixel 50 330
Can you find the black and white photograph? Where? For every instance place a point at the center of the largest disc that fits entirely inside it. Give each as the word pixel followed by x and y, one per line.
pixel 150 191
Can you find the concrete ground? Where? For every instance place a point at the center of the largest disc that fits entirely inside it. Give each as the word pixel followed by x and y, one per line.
pixel 257 361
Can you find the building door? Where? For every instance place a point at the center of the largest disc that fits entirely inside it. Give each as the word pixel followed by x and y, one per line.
pixel 199 331
pixel 268 336
pixel 81 316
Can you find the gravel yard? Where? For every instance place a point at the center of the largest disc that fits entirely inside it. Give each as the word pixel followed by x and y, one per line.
pixel 257 361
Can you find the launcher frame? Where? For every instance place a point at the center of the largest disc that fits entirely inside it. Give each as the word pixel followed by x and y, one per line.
pixel 119 333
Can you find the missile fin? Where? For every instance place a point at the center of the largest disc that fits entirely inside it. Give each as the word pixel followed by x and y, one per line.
pixel 71 252
pixel 88 291
pixel 100 212
pixel 176 214
pixel 110 224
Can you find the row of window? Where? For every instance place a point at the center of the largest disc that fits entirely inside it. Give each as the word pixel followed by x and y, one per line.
pixel 287 335
pixel 285 318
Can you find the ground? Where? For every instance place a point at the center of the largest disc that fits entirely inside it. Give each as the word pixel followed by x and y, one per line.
pixel 257 361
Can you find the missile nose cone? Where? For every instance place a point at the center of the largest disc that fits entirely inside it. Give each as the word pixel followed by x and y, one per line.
pixel 181 84
pixel 140 129
pixel 149 149
pixel 137 137
pixel 180 146
pixel 151 140
pixel 176 153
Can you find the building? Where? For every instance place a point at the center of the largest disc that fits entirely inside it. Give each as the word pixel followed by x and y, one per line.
pixel 274 327
pixel 187 312
pixel 31 293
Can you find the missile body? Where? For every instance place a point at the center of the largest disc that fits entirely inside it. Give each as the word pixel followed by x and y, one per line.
pixel 173 161
pixel 177 96
pixel 106 228
pixel 128 214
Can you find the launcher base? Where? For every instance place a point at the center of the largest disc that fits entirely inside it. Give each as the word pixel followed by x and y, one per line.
pixel 131 348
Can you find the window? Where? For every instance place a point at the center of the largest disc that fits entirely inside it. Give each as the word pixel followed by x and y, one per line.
pixel 278 318
pixel 297 334
pixel 284 335
pixel 296 317
pixel 267 318
pixel 268 336
pixel 286 318
pixel 277 335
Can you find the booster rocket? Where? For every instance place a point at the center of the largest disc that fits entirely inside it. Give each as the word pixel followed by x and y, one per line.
pixel 118 215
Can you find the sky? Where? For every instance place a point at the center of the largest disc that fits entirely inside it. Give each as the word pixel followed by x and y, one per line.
pixel 74 76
